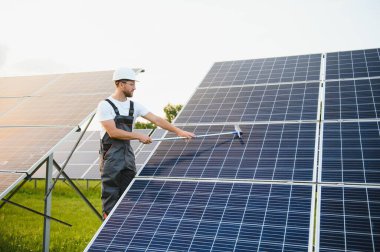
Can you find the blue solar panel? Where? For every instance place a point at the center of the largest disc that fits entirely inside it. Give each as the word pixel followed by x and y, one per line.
pixel 266 152
pixel 353 64
pixel 352 99
pixel 349 219
pixel 182 200
pixel 252 103
pixel 351 152
pixel 208 216
pixel 268 70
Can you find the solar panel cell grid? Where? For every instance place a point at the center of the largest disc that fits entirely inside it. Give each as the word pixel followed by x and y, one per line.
pixel 268 70
pixel 353 64
pixel 178 216
pixel 36 142
pixel 351 152
pixel 252 103
pixel 52 110
pixel 82 83
pixel 7 104
pixel 352 99
pixel 349 219
pixel 266 152
pixel 24 85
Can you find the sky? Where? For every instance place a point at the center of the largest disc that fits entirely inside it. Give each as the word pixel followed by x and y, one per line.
pixel 175 41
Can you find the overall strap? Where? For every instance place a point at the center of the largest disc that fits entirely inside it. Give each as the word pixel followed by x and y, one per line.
pixel 114 107
pixel 131 109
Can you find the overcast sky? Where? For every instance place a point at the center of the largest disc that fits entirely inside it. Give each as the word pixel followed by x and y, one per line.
pixel 175 41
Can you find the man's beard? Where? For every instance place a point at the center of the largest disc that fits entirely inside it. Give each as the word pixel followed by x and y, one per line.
pixel 128 94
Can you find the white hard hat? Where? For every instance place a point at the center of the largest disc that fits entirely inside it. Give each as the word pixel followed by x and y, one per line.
pixel 124 73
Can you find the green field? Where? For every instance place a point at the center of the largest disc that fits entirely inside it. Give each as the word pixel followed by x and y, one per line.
pixel 21 230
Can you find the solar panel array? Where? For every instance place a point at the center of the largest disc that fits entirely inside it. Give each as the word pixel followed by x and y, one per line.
pixel 37 112
pixel 306 120
pixel 84 163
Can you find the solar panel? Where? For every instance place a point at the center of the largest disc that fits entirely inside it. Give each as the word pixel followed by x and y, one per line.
pixel 351 152
pixel 8 180
pixel 24 86
pixel 287 145
pixel 352 99
pixel 267 70
pixel 22 148
pixel 208 216
pixel 63 110
pixel 83 83
pixel 267 152
pixel 353 64
pixel 280 102
pixel 145 150
pixel 7 104
pixel 349 219
pixel 39 111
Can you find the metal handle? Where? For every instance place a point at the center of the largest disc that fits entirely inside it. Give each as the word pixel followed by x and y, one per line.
pixel 197 136
pixel 236 132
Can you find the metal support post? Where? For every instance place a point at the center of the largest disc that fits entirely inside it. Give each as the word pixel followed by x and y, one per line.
pixel 47 210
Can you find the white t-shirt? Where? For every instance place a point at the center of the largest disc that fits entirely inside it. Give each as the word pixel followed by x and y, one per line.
pixel 105 111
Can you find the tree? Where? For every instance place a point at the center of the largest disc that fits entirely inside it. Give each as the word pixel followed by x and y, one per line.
pixel 145 125
pixel 171 111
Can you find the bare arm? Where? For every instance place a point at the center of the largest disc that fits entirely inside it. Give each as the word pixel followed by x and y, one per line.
pixel 116 133
pixel 168 126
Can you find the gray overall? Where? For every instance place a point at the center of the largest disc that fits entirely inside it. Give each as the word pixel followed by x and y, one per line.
pixel 117 161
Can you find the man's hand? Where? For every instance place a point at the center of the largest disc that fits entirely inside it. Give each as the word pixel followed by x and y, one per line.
pixel 144 138
pixel 186 134
pixel 168 126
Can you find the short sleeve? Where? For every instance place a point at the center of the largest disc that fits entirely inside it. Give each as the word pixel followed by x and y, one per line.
pixel 140 109
pixel 105 112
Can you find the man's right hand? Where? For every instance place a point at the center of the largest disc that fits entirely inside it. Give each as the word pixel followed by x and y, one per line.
pixel 144 139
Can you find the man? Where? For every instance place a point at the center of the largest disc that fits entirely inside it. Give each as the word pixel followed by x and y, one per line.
pixel 116 115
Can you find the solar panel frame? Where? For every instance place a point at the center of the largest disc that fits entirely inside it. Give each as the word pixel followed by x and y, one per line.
pixel 177 210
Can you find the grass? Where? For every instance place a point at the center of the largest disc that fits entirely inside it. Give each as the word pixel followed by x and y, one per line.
pixel 21 230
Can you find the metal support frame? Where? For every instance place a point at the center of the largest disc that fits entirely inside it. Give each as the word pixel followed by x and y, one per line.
pixel 47 208
pixel 69 157
pixel 28 177
pixel 77 189
pixel 36 212
pixel 7 199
